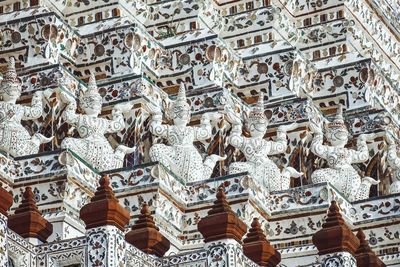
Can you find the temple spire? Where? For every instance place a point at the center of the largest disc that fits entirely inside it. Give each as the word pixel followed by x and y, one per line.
pixel 27 220
pixel 104 208
pixel 145 235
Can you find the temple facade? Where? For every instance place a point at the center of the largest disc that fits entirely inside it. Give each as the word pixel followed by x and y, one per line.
pixel 199 133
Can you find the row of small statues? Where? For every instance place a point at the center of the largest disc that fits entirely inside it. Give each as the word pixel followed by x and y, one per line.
pixel 180 155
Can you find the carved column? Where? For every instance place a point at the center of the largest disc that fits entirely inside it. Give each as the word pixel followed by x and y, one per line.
pixel 28 222
pixel 5 204
pixel 222 231
pixel 105 221
pixel 335 242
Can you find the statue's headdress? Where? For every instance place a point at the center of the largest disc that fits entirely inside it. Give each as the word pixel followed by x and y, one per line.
pixel 92 90
pixel 10 78
pixel 180 104
pixel 257 113
pixel 338 122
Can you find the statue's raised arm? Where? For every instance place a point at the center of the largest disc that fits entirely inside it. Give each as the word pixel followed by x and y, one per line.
pixel 15 139
pixel 340 173
pixel 256 149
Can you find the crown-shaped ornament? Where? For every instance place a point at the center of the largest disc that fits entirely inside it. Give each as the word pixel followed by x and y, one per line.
pixel 181 102
pixel 338 121
pixel 92 90
pixel 10 78
pixel 257 113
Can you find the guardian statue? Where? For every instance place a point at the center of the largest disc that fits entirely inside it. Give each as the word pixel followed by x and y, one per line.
pixel 92 146
pixel 256 150
pixel 340 173
pixel 180 155
pixel 14 138
pixel 394 163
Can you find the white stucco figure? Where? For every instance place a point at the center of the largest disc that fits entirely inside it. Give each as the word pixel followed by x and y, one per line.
pixel 394 162
pixel 180 155
pixel 14 138
pixel 340 173
pixel 256 149
pixel 92 146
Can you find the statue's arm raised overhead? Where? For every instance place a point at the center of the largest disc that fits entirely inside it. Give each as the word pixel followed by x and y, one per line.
pixel 117 123
pixel 235 138
pixel 361 154
pixel 156 126
pixel 69 115
pixel 204 131
pixel 280 145
pixel 393 160
pixel 36 108
pixel 317 146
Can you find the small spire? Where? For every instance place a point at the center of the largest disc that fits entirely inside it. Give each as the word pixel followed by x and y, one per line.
pixel 92 86
pixel 182 92
pixel 27 220
pixel 335 235
pixel 145 235
pixel 104 208
pixel 260 102
pixel 364 254
pixel 257 248
pixel 221 222
pixel 6 200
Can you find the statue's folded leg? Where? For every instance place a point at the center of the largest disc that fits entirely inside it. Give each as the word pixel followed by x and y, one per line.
pixel 239 167
pixel 78 146
pixel 321 176
pixel 163 154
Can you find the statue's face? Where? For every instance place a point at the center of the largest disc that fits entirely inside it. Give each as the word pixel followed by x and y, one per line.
pixel 180 115
pixel 91 104
pixel 257 128
pixel 337 136
pixel 10 92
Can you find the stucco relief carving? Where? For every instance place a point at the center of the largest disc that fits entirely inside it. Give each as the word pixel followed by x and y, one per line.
pixel 340 173
pixel 181 156
pixel 256 149
pixel 14 138
pixel 394 162
pixel 92 146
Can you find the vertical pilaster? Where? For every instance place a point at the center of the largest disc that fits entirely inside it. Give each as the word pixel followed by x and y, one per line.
pixel 105 247
pixel 105 221
pixel 5 204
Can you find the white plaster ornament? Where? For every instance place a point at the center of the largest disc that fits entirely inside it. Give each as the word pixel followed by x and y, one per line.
pixel 340 173
pixel 180 155
pixel 92 146
pixel 14 138
pixel 394 162
pixel 256 149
